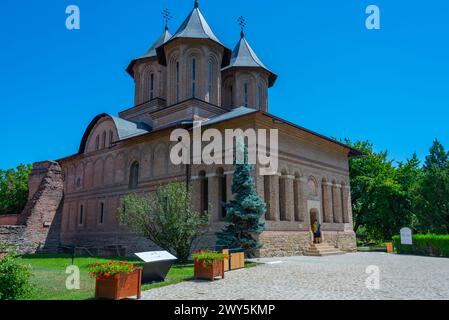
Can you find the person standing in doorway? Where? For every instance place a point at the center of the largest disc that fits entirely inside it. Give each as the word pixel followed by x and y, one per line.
pixel 316 229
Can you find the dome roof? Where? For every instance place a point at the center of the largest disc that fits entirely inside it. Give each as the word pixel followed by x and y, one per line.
pixel 151 53
pixel 244 56
pixel 194 26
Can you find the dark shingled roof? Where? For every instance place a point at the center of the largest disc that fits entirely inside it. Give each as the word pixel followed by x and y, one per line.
pixel 194 26
pixel 244 56
pixel 151 53
pixel 125 129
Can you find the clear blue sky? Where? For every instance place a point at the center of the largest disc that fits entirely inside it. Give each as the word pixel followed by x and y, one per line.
pixel 335 77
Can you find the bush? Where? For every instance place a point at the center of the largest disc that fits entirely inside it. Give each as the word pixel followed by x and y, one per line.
pixel 425 245
pixel 14 279
pixel 209 257
pixel 166 217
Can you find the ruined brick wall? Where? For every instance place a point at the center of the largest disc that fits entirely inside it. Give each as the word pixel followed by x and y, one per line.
pixel 38 225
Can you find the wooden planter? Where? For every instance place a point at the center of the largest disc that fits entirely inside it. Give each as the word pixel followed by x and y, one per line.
pixel 120 287
pixel 390 247
pixel 237 261
pixel 209 272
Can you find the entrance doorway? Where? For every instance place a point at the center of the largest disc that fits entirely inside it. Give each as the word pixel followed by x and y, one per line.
pixel 316 227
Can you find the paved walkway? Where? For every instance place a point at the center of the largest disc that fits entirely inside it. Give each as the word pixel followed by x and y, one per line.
pixel 333 277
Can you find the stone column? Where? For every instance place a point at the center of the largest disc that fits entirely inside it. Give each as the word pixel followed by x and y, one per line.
pixel 348 202
pixel 344 204
pixel 303 214
pixel 327 202
pixel 274 198
pixel 287 205
pixel 214 196
pixel 336 198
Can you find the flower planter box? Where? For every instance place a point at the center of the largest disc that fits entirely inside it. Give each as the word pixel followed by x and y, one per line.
pixel 119 287
pixel 203 272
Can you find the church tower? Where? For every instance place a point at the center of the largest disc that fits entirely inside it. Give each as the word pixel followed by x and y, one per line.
pixel 246 79
pixel 194 57
pixel 149 76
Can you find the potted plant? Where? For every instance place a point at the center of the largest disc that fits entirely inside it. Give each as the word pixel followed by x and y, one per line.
pixel 209 265
pixel 116 280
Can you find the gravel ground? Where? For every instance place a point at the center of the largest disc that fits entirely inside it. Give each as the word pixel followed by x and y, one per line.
pixel 334 277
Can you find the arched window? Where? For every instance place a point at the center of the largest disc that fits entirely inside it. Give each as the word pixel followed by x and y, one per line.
pixel 193 77
pixel 97 143
pixel 78 183
pixel 134 176
pixel 104 140
pixel 209 82
pixel 81 216
pixel 204 192
pixel 177 81
pixel 152 86
pixel 245 93
pixel 111 138
pixel 101 212
pixel 259 96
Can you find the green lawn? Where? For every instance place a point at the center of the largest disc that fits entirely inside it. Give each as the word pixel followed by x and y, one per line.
pixel 49 276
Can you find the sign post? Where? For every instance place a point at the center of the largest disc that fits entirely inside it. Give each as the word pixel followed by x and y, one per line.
pixel 406 236
pixel 156 265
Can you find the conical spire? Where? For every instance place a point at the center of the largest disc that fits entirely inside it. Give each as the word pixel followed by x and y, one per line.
pixel 151 53
pixel 244 56
pixel 195 26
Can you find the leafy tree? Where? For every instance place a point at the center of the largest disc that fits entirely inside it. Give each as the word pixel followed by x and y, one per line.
pixel 165 217
pixel 380 202
pixel 14 189
pixel 433 192
pixel 244 213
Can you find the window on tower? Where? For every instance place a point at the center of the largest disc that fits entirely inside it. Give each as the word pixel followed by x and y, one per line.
pixel 245 90
pixel 209 87
pixel 177 81
pixel 193 78
pixel 152 86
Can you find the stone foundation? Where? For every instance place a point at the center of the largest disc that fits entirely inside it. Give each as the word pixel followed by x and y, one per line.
pixel 344 240
pixel 12 235
pixel 284 243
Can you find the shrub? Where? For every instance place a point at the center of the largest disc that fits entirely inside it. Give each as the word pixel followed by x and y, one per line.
pixel 208 257
pixel 165 217
pixel 14 279
pixel 426 245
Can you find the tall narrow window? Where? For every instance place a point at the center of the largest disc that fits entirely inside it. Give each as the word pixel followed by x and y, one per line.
pixel 245 90
pixel 177 81
pixel 97 143
pixel 224 195
pixel 101 213
pixel 104 140
pixel 134 176
pixel 193 78
pixel 81 216
pixel 231 90
pixel 152 86
pixel 209 87
pixel 111 138
pixel 204 192
pixel 259 96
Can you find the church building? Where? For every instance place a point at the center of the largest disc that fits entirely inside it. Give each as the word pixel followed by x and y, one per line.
pixel 184 76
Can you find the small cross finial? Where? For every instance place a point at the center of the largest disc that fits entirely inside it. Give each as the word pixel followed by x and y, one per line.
pixel 242 22
pixel 166 16
pixel 197 3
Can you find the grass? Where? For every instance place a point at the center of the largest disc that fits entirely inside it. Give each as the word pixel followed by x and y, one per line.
pixel 377 247
pixel 49 277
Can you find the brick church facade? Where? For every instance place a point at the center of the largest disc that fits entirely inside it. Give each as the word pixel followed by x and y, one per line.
pixel 185 76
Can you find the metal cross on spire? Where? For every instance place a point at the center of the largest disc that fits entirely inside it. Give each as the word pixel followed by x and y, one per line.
pixel 166 15
pixel 196 4
pixel 242 22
